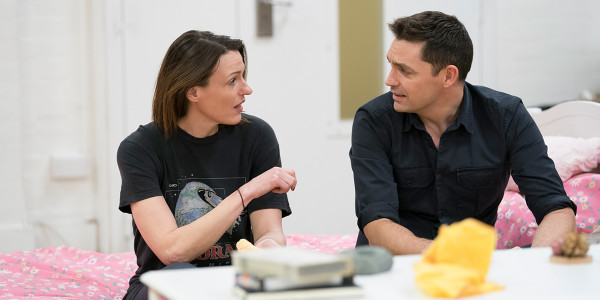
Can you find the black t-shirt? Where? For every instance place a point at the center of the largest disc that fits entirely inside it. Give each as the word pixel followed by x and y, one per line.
pixel 194 175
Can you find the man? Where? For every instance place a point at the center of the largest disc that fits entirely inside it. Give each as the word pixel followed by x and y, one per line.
pixel 436 149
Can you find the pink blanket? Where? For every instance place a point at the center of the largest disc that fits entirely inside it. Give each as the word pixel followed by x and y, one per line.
pixel 516 225
pixel 65 272
pixel 68 272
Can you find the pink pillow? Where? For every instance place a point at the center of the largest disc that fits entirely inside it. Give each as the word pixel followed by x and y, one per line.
pixel 571 156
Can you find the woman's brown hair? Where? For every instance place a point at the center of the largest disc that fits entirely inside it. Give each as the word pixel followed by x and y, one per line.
pixel 189 62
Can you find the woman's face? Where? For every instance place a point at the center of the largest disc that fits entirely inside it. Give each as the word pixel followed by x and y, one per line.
pixel 220 101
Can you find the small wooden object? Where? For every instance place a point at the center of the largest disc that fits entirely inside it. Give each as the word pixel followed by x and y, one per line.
pixel 570 260
pixel 572 250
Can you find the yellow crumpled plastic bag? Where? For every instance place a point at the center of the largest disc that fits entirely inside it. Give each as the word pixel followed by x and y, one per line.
pixel 457 262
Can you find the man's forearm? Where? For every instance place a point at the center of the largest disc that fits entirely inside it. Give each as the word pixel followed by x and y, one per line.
pixel 554 226
pixel 394 237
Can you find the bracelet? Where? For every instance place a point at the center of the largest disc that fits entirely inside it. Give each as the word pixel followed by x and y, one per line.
pixel 243 205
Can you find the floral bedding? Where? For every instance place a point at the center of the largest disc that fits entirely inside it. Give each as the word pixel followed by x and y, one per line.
pixel 65 272
pixel 68 272
pixel 515 223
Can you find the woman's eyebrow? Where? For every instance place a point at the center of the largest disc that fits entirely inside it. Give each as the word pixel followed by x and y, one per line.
pixel 234 73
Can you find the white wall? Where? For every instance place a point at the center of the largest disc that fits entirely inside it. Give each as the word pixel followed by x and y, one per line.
pixel 45 115
pixel 76 76
pixel 542 51
pixel 295 80
pixel 14 225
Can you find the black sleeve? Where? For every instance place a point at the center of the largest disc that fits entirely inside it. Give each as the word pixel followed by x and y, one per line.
pixel 532 169
pixel 139 173
pixel 376 195
pixel 265 156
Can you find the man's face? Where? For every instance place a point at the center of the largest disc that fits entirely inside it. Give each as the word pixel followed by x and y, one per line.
pixel 411 82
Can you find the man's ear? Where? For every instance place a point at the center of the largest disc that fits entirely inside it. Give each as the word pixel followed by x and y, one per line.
pixel 193 94
pixel 450 74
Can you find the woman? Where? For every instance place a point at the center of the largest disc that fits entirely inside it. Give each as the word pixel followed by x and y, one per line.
pixel 202 175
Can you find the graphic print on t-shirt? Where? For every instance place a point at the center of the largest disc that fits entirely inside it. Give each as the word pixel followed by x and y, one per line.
pixel 196 200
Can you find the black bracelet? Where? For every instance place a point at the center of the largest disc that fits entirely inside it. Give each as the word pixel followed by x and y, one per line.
pixel 243 205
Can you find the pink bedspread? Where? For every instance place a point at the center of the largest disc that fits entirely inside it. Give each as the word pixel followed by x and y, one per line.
pixel 68 272
pixel 322 243
pixel 516 225
pixel 65 272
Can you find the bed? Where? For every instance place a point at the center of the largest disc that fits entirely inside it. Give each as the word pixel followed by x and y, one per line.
pixel 69 272
pixel 571 130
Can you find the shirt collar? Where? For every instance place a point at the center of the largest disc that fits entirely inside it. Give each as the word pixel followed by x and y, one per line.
pixel 465 115
pixel 465 111
pixel 412 121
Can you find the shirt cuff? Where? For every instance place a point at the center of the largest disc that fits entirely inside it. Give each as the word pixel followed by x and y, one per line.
pixel 377 211
pixel 554 203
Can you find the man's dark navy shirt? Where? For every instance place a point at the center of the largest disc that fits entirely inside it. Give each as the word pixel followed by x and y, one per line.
pixel 400 175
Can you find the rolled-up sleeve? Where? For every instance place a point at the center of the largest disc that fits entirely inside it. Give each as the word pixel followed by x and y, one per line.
pixel 266 155
pixel 375 188
pixel 533 171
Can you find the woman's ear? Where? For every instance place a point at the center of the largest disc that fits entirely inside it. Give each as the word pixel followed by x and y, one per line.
pixel 193 94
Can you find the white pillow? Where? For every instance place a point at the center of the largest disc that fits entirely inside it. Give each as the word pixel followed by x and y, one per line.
pixel 571 156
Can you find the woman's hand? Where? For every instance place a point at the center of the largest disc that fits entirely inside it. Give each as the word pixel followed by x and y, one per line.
pixel 277 180
pixel 267 243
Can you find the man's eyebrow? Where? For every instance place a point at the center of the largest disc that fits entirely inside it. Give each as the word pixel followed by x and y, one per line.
pixel 401 65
